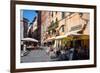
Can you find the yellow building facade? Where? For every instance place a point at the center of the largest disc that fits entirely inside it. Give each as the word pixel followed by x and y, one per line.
pixel 65 27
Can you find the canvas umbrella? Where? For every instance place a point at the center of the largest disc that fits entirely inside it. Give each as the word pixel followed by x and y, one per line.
pixel 30 39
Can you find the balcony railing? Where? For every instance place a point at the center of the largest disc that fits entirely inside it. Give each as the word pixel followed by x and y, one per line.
pixel 53 25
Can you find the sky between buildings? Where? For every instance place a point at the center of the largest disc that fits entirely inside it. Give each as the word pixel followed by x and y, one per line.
pixel 29 14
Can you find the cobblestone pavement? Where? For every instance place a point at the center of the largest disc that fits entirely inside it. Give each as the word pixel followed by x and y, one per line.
pixel 37 55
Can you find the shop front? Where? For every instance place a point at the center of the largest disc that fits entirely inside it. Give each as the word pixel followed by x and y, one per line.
pixel 72 38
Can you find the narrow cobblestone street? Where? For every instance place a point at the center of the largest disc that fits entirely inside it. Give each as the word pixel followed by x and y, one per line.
pixel 37 55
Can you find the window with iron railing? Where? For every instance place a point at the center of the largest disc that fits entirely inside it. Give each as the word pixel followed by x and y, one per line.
pixel 63 15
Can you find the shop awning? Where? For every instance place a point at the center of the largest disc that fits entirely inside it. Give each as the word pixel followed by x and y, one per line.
pixel 73 36
pixel 76 36
pixel 60 37
pixel 66 35
pixel 50 39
